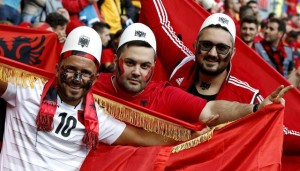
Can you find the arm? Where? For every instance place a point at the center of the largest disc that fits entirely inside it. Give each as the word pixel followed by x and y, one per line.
pixel 3 87
pixel 139 137
pixel 221 111
pixel 75 6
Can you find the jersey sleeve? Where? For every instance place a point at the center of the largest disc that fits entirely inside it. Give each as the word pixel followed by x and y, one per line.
pixel 109 128
pixel 181 105
pixel 10 94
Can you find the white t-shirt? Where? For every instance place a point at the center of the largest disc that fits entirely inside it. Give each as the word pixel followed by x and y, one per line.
pixel 25 148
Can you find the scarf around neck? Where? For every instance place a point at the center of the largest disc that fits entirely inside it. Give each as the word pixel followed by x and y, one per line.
pixel 276 56
pixel 48 106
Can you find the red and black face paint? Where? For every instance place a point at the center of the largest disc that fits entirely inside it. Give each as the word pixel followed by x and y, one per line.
pixel 149 74
pixel 121 66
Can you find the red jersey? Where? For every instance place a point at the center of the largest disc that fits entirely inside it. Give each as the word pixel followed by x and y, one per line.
pixel 232 88
pixel 158 96
pixel 108 55
pixel 292 9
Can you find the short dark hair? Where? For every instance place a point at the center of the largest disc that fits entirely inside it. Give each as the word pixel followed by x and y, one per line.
pixel 281 24
pixel 251 2
pixel 99 26
pixel 132 43
pixel 55 19
pixel 250 19
pixel 244 10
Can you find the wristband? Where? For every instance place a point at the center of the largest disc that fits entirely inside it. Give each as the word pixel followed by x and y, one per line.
pixel 255 107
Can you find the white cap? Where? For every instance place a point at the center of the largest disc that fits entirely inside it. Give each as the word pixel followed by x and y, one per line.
pixel 138 31
pixel 208 4
pixel 84 39
pixel 221 19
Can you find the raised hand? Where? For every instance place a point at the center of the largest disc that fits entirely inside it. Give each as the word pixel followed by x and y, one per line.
pixel 276 96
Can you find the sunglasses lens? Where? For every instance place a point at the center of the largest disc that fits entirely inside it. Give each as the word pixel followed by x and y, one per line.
pixel 207 46
pixel 222 49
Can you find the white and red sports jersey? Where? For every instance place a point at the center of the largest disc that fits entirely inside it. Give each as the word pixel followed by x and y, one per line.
pixel 25 148
pixel 232 88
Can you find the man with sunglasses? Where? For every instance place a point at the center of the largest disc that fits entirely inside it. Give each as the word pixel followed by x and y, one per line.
pixel 131 81
pixel 209 75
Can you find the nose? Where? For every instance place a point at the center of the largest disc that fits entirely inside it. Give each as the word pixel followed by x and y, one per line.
pixel 136 70
pixel 213 51
pixel 77 78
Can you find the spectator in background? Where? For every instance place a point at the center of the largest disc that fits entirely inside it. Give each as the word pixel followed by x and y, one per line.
pixel 293 23
pixel 58 24
pixel 254 6
pixel 107 61
pixel 245 11
pixel 210 6
pixel 249 30
pixel 74 7
pixel 118 13
pixel 232 9
pixel 10 10
pixel 37 10
pixel 291 6
pixel 272 49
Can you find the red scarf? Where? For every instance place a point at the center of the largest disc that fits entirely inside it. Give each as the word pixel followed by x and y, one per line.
pixel 44 120
pixel 276 56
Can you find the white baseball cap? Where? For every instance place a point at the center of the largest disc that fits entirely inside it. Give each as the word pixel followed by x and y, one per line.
pixel 220 19
pixel 207 4
pixel 138 31
pixel 84 39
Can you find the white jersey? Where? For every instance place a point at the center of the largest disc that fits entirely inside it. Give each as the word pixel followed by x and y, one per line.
pixel 25 148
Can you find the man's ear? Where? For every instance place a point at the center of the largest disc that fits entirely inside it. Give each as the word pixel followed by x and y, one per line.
pixel 57 69
pixel 115 62
pixel 96 78
pixel 233 53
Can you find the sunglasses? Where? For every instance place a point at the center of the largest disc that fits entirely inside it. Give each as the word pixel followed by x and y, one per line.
pixel 208 45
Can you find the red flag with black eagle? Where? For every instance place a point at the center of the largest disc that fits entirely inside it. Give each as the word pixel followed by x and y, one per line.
pixel 171 20
pixel 34 47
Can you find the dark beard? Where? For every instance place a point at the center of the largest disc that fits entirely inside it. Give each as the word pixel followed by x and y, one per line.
pixel 211 73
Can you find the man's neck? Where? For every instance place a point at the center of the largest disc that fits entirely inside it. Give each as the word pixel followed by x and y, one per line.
pixel 275 43
pixel 119 90
pixel 210 85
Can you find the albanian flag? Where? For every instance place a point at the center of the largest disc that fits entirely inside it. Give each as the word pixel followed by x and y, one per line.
pixel 251 143
pixel 34 47
pixel 176 25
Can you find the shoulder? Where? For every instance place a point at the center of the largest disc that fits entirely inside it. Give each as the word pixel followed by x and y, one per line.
pixel 241 91
pixel 241 85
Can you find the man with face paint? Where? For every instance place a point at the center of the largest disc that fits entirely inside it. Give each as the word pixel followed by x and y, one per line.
pixel 53 125
pixel 135 61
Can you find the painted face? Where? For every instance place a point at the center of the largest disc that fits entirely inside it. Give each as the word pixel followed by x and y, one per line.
pixel 271 33
pixel 135 68
pixel 214 60
pixel 75 77
pixel 248 32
